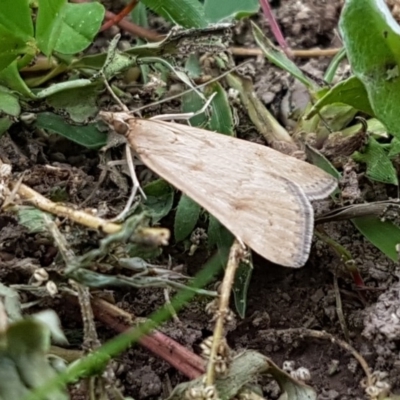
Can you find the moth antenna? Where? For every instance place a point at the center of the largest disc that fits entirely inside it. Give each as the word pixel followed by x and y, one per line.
pixel 184 116
pixel 129 160
pixel 175 96
pixel 114 96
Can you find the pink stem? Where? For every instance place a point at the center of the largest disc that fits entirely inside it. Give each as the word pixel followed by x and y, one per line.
pixel 275 27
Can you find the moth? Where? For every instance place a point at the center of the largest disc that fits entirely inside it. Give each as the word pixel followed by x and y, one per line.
pixel 261 195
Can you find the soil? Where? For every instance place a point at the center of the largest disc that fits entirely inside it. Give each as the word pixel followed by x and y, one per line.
pixel 278 299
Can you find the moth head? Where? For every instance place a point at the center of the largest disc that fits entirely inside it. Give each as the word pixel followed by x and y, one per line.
pixel 118 122
pixel 107 117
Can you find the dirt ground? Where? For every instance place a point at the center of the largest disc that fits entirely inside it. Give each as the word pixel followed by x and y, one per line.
pixel 279 298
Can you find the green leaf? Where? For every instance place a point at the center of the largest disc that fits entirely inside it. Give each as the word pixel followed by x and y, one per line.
pixel 5 123
pixel 336 116
pixel 139 15
pixel 351 92
pixel 9 103
pixel 374 54
pixel 279 59
pixel 186 13
pixel 394 147
pixel 222 10
pixel 193 66
pixel 15 17
pixel 11 78
pixel 160 198
pixel 241 285
pixel 191 102
pixel 88 135
pixel 321 161
pixel 145 252
pixel 221 119
pixel 221 113
pixel 218 235
pixel 11 384
pixel 90 61
pixel 116 62
pixel 48 24
pixel 80 103
pixel 16 31
pixel 186 217
pixel 81 22
pixel 10 48
pixel 65 27
pixel 11 302
pixel 379 166
pixel 157 187
pixel 374 127
pixel 382 234
pixel 27 344
pixel 334 65
pixel 318 159
pixel 32 219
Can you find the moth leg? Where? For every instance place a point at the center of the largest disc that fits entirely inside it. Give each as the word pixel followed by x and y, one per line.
pixel 136 185
pixel 132 172
pixel 97 186
pixel 241 242
pixel 106 167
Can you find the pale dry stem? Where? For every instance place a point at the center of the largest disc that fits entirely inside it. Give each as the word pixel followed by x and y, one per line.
pixel 235 255
pixel 80 217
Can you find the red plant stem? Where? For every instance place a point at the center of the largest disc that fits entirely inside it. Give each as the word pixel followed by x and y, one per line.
pixel 275 27
pixel 131 27
pixel 357 278
pixel 117 18
pixel 184 360
pixel 136 30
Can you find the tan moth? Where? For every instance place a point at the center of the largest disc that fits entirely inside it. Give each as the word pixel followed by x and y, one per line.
pixel 261 195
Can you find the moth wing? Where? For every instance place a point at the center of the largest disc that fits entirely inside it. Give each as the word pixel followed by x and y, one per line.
pixel 269 213
pixel 316 183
